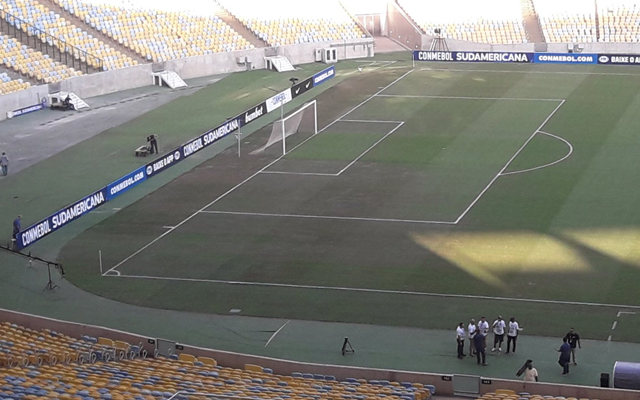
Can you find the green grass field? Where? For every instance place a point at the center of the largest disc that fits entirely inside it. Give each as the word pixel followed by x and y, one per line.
pixel 431 195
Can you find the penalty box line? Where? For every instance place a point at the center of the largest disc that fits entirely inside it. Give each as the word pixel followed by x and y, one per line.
pixel 329 217
pixel 399 124
pixel 113 270
pixel 380 291
pixel 501 172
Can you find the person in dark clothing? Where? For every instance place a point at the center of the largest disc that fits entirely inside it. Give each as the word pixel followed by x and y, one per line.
pixel 66 103
pixel 16 230
pixel 153 144
pixel 565 356
pixel 481 351
pixel 574 340
pixel 460 340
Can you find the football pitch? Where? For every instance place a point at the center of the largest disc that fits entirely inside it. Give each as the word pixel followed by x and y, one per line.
pixel 429 195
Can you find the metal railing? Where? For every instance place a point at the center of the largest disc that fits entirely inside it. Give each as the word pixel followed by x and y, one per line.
pixel 57 49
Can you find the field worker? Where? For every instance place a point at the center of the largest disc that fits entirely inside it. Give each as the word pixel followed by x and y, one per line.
pixel 4 162
pixel 498 333
pixel 460 339
pixel 512 334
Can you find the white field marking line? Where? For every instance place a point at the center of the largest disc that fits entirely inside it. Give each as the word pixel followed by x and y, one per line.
pixel 366 100
pixel 531 72
pixel 410 96
pixel 383 291
pixel 372 121
pixel 549 164
pixel 624 312
pixel 242 183
pixel 298 173
pixel 140 250
pixel 473 203
pixel 254 214
pixel 370 148
pixel 276 332
pixel 615 323
pixel 400 123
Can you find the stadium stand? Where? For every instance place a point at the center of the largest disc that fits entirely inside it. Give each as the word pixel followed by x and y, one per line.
pixel 507 394
pixel 280 23
pixel 567 21
pixel 31 63
pixel 490 21
pixel 8 85
pixel 159 35
pixel 618 21
pixel 45 20
pixel 53 365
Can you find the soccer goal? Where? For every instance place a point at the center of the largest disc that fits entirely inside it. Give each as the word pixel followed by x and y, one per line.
pixel 302 121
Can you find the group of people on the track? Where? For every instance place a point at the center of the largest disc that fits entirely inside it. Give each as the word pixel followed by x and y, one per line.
pixel 477 332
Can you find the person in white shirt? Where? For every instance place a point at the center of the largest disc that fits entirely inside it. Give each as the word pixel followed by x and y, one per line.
pixel 530 373
pixel 483 327
pixel 460 339
pixel 498 333
pixel 472 329
pixel 512 334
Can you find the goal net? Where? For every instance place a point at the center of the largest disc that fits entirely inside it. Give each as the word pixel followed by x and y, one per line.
pixel 302 121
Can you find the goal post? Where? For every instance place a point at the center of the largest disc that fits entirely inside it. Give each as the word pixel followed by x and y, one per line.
pixel 302 120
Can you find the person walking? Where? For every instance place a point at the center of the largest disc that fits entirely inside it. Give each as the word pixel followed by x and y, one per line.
pixel 479 344
pixel 472 329
pixel 565 356
pixel 4 163
pixel 16 228
pixel 460 340
pixel 530 373
pixel 574 340
pixel 498 333
pixel 512 334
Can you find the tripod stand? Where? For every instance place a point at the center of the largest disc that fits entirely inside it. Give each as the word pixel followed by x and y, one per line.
pixel 345 345
pixel 50 284
pixel 439 43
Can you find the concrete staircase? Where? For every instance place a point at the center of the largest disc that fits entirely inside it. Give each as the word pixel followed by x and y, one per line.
pixel 239 27
pixel 169 78
pixel 531 22
pixel 279 63
pixel 80 23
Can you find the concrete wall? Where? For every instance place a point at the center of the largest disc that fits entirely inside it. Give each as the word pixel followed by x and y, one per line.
pixel 442 382
pixel 21 99
pixel 461 45
pixel 619 48
pixel 98 84
pixel 402 29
